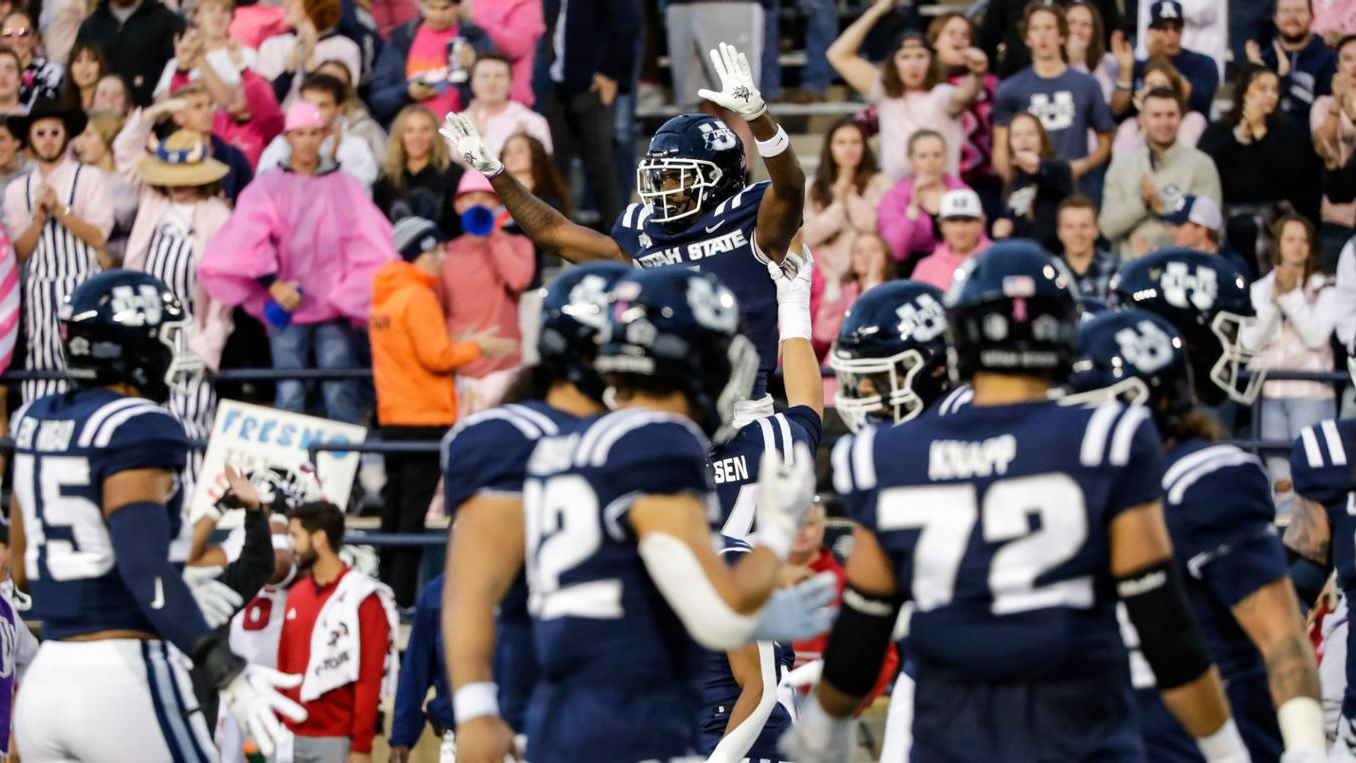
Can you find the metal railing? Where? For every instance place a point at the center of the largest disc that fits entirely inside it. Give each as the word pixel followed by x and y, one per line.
pixel 1254 443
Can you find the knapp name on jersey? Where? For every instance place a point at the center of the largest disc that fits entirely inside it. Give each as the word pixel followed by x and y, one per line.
pixel 960 460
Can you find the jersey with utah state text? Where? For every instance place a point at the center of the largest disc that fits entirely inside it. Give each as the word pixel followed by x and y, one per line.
pixel 1321 467
pixel 734 465
pixel 620 673
pixel 1219 512
pixel 65 446
pixel 721 241
pixel 487 453
pixel 996 519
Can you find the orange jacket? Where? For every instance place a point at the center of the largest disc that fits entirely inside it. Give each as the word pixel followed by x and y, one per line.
pixel 412 356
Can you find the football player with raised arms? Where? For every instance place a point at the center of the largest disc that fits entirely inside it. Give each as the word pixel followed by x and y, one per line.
pixel 1013 525
pixel 624 581
pixel 98 501
pixel 696 210
pixel 1219 512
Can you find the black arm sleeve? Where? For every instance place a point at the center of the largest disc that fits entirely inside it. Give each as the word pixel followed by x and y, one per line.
pixel 859 640
pixel 247 574
pixel 1168 635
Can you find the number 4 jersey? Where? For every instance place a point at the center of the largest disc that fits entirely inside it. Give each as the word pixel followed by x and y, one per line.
pixel 996 520
pixel 65 446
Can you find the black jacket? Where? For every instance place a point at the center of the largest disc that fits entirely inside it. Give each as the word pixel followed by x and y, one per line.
pixel 139 49
pixel 599 39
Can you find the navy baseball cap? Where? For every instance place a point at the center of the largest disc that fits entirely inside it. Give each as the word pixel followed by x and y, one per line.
pixel 1165 11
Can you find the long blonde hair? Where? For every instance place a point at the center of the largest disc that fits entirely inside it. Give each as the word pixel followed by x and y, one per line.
pixel 395 147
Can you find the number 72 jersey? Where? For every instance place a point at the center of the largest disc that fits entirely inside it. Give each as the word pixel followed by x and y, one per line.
pixel 995 520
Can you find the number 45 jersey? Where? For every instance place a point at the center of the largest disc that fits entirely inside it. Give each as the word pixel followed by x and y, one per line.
pixel 65 446
pixel 996 521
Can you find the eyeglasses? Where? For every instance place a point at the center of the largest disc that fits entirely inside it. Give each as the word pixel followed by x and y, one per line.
pixel 21 33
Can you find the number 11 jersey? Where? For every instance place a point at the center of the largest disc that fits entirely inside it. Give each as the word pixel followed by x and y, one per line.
pixel 996 521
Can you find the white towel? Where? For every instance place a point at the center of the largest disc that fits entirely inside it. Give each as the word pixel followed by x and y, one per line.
pixel 334 640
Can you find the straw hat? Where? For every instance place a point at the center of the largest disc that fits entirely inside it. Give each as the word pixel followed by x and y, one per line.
pixel 180 159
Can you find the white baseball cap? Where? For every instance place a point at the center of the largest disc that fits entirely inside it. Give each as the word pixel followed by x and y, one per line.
pixel 960 202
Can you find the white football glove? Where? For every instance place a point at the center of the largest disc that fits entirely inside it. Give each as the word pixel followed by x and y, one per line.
pixel 1304 755
pixel 738 92
pixel 818 737
pixel 792 279
pixel 466 142
pixel 785 495
pixel 799 612
pixel 218 601
pixel 255 700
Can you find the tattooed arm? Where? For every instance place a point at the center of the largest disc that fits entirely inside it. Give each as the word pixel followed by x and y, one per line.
pixel 1308 534
pixel 543 224
pixel 549 228
pixel 1271 618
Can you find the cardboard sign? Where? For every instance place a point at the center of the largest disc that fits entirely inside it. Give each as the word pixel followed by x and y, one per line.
pixel 253 437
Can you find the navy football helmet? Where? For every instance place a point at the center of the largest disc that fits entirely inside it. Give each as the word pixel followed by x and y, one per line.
pixel 573 314
pixel 677 329
pixel 1012 309
pixel 1092 307
pixel 890 356
pixel 694 162
pixel 1207 300
pixel 125 326
pixel 1136 357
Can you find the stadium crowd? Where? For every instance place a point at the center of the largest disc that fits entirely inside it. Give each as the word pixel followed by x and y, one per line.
pixel 279 166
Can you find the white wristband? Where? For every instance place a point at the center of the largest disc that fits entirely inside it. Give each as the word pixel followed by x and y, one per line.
pixel 774 538
pixel 1224 746
pixel 475 700
pixel 1301 722
pixel 773 146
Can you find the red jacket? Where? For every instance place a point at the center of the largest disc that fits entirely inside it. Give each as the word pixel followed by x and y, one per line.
pixel 351 710
pixel 813 648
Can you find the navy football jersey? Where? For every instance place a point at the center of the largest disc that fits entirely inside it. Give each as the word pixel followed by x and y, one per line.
pixel 721 242
pixel 734 465
pixel 487 453
pixel 720 691
pixel 1219 512
pixel 599 623
pixel 996 519
pixel 1321 465
pixel 65 446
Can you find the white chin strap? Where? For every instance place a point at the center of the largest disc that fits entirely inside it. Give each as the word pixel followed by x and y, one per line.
pixel 748 411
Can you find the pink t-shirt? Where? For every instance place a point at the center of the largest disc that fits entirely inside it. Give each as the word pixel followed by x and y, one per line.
pixel 939 267
pixel 900 117
pixel 427 60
